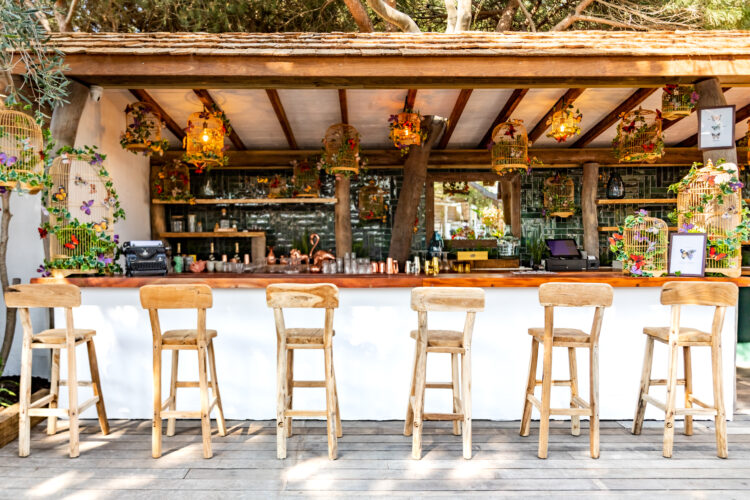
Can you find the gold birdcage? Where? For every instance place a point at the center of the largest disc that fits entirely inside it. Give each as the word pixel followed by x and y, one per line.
pixel 406 129
pixel 341 145
pixel 21 149
pixel 171 181
pixel 510 147
pixel 703 207
pixel 639 137
pixel 559 196
pixel 143 130
pixel 677 101
pixel 646 244
pixel 564 123
pixel 204 140
pixel 305 180
pixel 372 203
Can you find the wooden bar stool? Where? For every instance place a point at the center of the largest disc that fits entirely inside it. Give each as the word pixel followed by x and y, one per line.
pixel 677 294
pixel 153 298
pixel 455 343
pixel 54 295
pixel 319 296
pixel 553 295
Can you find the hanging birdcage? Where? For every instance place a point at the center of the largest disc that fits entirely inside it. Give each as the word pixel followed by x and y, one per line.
pixel 646 243
pixel 510 147
pixel 677 101
pixel 204 139
pixel 455 187
pixel 21 151
pixel 406 129
pixel 341 144
pixel 277 187
pixel 709 201
pixel 171 182
pixel 558 196
pixel 372 204
pixel 564 123
pixel 143 130
pixel 305 180
pixel 639 137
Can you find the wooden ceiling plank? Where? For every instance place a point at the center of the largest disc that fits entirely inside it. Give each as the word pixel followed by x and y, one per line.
pixel 510 106
pixel 740 115
pixel 605 123
pixel 209 102
pixel 171 125
pixel 458 109
pixel 411 97
pixel 278 108
pixel 344 106
pixel 568 97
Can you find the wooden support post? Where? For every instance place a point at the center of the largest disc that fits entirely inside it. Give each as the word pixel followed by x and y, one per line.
pixel 415 174
pixel 588 208
pixel 711 95
pixel 515 205
pixel 342 216
pixel 506 189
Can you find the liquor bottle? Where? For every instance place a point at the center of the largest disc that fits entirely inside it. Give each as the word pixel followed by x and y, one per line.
pixel 234 224
pixel 212 256
pixel 224 222
pixel 179 249
pixel 236 257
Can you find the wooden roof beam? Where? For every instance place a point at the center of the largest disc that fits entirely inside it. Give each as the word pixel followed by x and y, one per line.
pixel 171 125
pixel 510 106
pixel 458 109
pixel 278 108
pixel 569 97
pixel 411 96
pixel 605 123
pixel 740 115
pixel 209 102
pixel 343 106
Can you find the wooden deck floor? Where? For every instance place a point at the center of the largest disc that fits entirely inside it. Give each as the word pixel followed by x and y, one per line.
pixel 374 460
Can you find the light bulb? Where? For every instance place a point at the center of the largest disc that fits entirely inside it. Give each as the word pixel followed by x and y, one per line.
pixel 406 131
pixel 205 136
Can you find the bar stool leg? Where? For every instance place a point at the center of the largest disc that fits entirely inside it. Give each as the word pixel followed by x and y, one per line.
pixel 289 388
pixel 594 400
pixel 215 388
pixel 54 390
pixel 409 423
pixel 640 408
pixel 466 393
pixel 456 392
pixel 721 418
pixel 96 384
pixel 546 396
pixel 530 388
pixel 171 422
pixel 575 420
pixel 418 400
pixel 330 405
pixel 281 399
pixel 670 403
pixel 73 397
pixel 205 412
pixel 24 423
pixel 339 430
pixel 688 389
pixel 156 423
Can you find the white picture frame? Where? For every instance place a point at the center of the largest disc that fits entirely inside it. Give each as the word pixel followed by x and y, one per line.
pixel 687 254
pixel 716 127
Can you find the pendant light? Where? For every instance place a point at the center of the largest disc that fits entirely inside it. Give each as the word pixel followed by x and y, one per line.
pixel 615 187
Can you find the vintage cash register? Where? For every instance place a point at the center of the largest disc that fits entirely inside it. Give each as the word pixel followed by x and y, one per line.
pixel 565 256
pixel 145 258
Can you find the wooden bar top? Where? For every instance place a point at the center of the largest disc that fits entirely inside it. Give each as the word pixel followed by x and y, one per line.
pixel 483 280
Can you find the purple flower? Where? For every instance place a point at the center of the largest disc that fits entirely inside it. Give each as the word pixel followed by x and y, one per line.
pixel 694 97
pixel 635 270
pixel 116 238
pixel 104 259
pixel 685 228
pixel 3 190
pixel 643 212
pixel 43 271
pixel 7 160
pixel 392 118
pixel 736 185
pixel 97 159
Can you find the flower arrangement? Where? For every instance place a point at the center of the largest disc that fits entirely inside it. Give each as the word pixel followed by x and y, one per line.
pixel 172 182
pixel 463 233
pixel 564 123
pixel 639 136
pixel 24 151
pixel 406 130
pixel 558 196
pixel 640 243
pixel 678 101
pixel 341 151
pixel 204 139
pixel 143 130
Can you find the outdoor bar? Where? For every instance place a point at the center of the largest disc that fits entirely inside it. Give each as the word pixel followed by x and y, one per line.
pixel 516 172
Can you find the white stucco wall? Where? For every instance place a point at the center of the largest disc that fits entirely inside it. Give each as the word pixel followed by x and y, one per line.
pixel 101 125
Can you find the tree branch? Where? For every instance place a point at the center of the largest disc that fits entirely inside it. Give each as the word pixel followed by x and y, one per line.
pixel 506 17
pixel 568 21
pixel 359 13
pixel 609 22
pixel 450 8
pixel 526 13
pixel 63 20
pixel 41 17
pixel 463 18
pixel 393 16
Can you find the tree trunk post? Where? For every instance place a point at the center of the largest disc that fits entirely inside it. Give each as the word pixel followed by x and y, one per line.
pixel 515 205
pixel 342 216
pixel 711 96
pixel 10 314
pixel 588 208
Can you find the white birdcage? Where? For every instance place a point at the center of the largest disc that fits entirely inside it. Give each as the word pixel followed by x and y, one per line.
pixel 21 149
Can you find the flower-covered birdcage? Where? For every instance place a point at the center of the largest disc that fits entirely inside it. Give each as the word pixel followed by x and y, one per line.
pixel 509 147
pixel 204 139
pixel 372 204
pixel 305 180
pixel 277 187
pixel 406 130
pixel 558 196
pixel 83 207
pixel 341 145
pixel 678 101
pixel 455 187
pixel 143 130
pixel 709 201
pixel 171 182
pixel 642 244
pixel 639 137
pixel 564 123
pixel 21 151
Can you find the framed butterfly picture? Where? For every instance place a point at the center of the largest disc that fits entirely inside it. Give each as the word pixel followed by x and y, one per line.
pixel 687 254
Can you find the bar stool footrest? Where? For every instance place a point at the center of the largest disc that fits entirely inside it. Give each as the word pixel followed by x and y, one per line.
pixel 438 385
pixel 309 383
pixel 305 413
pixel 442 416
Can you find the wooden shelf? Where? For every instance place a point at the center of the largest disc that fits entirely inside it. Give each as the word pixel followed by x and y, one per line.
pixel 247 201
pixel 608 229
pixel 213 234
pixel 638 201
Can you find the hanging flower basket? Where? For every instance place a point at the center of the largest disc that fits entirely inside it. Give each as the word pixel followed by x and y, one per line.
pixel 406 130
pixel 22 152
pixel 564 123
pixel 340 150
pixel 558 196
pixel 641 244
pixel 143 130
pixel 305 180
pixel 204 140
pixel 172 182
pixel 639 137
pixel 372 204
pixel 678 101
pixel 457 187
pixel 509 147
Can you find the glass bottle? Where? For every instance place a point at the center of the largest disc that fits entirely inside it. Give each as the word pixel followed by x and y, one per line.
pixel 212 256
pixel 224 222
pixel 233 222
pixel 236 257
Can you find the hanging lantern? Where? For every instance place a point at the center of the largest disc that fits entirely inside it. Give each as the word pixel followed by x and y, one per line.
pixel 615 187
pixel 558 196
pixel 678 101
pixel 143 130
pixel 639 137
pixel 341 155
pixel 21 151
pixel 406 130
pixel 509 147
pixel 305 180
pixel 372 203
pixel 204 139
pixel 564 123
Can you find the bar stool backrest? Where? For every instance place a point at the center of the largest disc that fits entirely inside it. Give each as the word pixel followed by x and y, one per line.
pixel 462 299
pixel 296 295
pixel 700 293
pixel 197 296
pixel 43 295
pixel 575 294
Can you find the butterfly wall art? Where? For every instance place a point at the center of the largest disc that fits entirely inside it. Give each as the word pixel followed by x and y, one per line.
pixel 687 254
